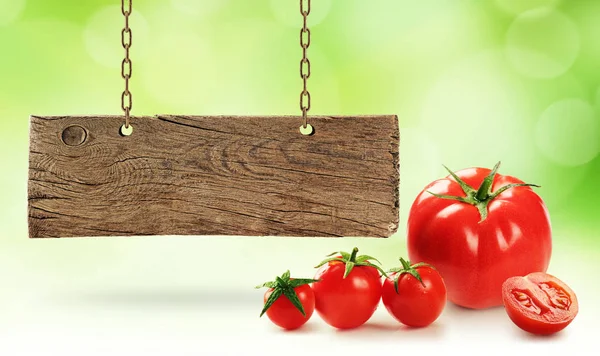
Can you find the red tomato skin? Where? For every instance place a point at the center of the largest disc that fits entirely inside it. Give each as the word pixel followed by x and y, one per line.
pixel 415 305
pixel 285 315
pixel 346 303
pixel 552 319
pixel 476 258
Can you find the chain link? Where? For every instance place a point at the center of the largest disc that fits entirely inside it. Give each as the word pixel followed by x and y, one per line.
pixel 305 63
pixel 126 65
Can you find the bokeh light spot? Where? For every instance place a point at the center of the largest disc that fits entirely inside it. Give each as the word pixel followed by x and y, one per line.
pixel 198 8
pixel 477 107
pixel 102 36
pixel 567 132
pixel 10 11
pixel 542 43
pixel 183 75
pixel 388 26
pixel 585 15
pixel 62 82
pixel 520 6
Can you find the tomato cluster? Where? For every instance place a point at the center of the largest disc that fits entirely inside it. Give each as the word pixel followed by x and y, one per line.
pixel 484 240
pixel 491 244
pixel 475 237
pixel 348 288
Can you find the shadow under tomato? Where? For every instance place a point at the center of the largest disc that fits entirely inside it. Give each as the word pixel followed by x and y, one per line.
pixel 492 320
pixel 462 314
pixel 458 308
pixel 392 328
pixel 308 328
pixel 529 337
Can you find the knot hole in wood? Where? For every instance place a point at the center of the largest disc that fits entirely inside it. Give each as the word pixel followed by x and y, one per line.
pixel 74 135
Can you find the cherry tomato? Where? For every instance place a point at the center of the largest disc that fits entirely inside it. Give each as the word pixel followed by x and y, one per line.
pixel 539 303
pixel 477 238
pixel 348 291
pixel 289 303
pixel 414 295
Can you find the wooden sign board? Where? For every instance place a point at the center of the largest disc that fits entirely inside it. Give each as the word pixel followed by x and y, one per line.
pixel 191 175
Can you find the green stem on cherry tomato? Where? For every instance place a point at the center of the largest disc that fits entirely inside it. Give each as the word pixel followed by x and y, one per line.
pixel 353 255
pixel 407 268
pixel 351 260
pixel 481 197
pixel 285 285
pixel 405 263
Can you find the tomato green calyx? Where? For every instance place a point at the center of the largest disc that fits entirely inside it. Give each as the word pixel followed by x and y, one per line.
pixel 351 260
pixel 407 268
pixel 481 197
pixel 285 285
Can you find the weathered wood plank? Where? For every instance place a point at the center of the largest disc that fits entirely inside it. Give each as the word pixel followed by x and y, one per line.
pixel 245 176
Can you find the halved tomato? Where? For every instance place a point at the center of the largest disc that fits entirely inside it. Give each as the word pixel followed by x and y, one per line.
pixel 539 303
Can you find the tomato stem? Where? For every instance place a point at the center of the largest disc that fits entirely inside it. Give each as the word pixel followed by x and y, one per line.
pixel 405 263
pixel 407 268
pixel 351 260
pixel 284 286
pixel 485 189
pixel 465 187
pixel 353 255
pixel 481 197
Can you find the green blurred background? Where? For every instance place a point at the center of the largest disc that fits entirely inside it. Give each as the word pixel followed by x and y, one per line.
pixel 472 81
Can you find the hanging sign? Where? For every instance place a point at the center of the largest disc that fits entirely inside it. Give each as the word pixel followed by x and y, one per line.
pixel 213 176
pixel 220 175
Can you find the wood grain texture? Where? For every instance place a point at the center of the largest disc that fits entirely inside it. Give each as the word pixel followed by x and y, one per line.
pixel 183 175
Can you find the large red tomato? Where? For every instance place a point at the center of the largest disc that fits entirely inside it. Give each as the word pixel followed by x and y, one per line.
pixel 479 228
pixel 348 291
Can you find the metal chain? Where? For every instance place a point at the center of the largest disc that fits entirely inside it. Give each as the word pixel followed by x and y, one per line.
pixel 126 66
pixel 305 63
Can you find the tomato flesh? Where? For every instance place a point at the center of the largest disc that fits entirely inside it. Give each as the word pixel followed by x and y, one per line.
pixel 285 315
pixel 539 303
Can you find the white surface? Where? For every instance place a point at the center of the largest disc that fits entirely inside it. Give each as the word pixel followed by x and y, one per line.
pixel 224 323
pixel 169 296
